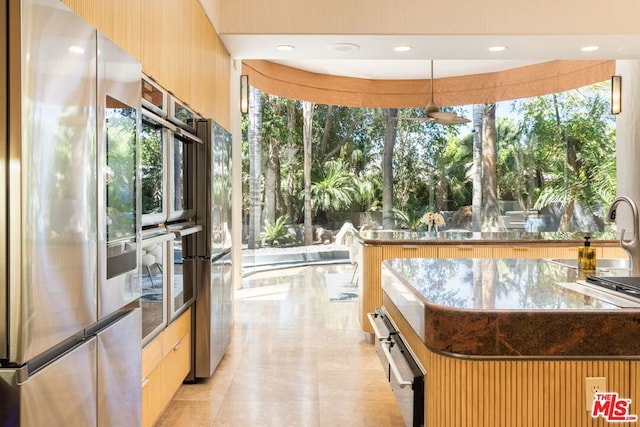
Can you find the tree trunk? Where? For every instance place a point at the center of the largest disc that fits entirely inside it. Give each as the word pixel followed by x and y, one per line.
pixel 291 156
pixel 307 117
pixel 255 167
pixel 476 201
pixel 489 283
pixel 441 191
pixel 573 167
pixel 565 220
pixel 491 209
pixel 322 152
pixel 272 181
pixel 390 119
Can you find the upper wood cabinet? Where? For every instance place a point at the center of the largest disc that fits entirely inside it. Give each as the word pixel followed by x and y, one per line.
pixel 176 44
pixel 117 19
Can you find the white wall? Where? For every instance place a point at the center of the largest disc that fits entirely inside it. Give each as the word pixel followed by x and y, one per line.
pixel 628 140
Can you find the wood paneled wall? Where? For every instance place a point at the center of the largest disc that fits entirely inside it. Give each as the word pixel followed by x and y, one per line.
pixel 176 44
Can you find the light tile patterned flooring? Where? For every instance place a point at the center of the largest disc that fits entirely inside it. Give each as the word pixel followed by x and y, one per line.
pixel 296 359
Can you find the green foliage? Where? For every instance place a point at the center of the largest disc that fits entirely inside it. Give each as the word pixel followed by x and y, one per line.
pixel 276 233
pixel 151 167
pixel 575 146
pixel 552 150
pixel 368 189
pixel 410 218
pixel 332 189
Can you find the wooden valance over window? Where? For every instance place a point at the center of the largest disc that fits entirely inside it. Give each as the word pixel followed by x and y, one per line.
pixel 522 82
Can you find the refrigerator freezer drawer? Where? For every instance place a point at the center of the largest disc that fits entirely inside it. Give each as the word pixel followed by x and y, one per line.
pixel 119 372
pixel 62 394
pixel 213 315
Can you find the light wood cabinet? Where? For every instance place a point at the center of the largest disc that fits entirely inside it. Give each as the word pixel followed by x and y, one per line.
pixel 175 367
pixel 465 251
pixel 117 19
pixel 617 252
pixel 176 44
pixel 409 251
pixel 166 361
pixel 520 252
pixel 152 402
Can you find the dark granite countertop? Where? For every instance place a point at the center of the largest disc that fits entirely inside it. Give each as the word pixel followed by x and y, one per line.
pixel 450 237
pixel 509 308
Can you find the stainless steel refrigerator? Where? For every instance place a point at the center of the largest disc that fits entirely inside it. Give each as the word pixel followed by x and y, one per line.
pixel 210 250
pixel 69 223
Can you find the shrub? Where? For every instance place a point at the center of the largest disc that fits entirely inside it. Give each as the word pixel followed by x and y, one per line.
pixel 276 233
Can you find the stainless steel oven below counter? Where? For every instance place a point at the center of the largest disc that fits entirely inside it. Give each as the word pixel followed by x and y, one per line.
pixel 405 375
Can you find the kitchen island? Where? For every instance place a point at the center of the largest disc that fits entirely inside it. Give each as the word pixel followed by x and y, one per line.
pixel 509 342
pixel 374 246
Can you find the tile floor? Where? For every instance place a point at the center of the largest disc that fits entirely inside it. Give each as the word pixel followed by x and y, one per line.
pixel 296 359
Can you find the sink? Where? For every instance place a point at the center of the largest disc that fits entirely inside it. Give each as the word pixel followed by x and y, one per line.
pixel 601 264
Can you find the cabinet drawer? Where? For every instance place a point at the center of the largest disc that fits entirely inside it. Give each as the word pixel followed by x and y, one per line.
pixel 409 251
pixel 175 331
pixel 519 252
pixel 463 251
pixel 152 402
pixel 614 253
pixel 570 252
pixel 175 367
pixel 151 356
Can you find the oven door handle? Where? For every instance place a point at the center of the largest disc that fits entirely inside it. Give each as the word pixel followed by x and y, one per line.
pixel 392 364
pixel 376 330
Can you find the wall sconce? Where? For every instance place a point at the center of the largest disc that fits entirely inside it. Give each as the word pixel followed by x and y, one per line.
pixel 244 94
pixel 616 94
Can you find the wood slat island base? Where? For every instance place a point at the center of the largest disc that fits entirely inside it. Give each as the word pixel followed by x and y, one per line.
pixel 505 393
pixel 507 342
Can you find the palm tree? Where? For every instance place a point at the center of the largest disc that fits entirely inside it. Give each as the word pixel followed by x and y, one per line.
pixel 575 140
pixel 333 189
pixel 390 119
pixel 292 149
pixel 491 210
pixel 476 202
pixel 307 118
pixel 255 173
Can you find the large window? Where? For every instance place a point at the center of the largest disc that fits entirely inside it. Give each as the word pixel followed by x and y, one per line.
pixel 536 164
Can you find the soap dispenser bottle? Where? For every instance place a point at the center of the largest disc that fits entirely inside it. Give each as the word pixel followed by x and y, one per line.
pixel 586 256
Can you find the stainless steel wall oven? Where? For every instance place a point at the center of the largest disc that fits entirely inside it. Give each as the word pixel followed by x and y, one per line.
pixel 168 212
pixel 155 137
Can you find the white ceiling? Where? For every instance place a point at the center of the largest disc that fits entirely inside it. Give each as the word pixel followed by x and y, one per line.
pixel 375 58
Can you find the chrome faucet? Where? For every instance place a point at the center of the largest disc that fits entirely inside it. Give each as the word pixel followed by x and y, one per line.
pixel 631 246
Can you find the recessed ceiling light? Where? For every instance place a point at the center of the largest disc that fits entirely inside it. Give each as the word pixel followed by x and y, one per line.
pixel 286 47
pixel 402 48
pixel 590 48
pixel 345 47
pixel 497 48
